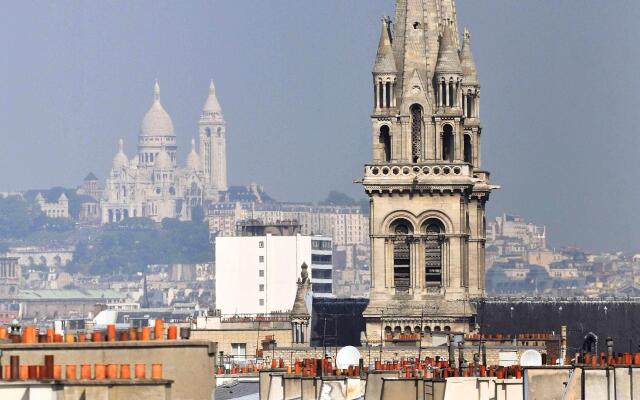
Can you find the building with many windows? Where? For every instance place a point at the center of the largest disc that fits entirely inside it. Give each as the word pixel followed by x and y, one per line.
pixel 345 225
pixel 54 209
pixel 256 272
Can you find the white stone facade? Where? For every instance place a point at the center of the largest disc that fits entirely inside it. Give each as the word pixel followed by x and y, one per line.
pixel 57 209
pixel 151 184
pixel 534 237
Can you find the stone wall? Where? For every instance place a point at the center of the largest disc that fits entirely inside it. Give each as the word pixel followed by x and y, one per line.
pixel 190 364
pixel 224 338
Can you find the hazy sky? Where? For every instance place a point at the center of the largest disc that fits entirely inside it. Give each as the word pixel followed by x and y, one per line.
pixel 560 93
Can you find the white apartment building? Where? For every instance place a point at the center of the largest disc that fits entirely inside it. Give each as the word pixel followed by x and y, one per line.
pixel 258 274
pixel 512 226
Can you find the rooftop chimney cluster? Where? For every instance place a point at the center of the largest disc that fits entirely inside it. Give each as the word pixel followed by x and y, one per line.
pixel 32 334
pixel 51 371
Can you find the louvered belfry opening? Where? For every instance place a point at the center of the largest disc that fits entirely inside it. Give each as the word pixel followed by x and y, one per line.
pixel 433 253
pixel 401 258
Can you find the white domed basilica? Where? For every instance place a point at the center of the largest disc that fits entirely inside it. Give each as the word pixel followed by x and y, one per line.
pixel 152 184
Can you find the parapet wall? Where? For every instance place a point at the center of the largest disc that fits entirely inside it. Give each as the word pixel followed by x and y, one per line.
pixel 389 354
pixel 189 363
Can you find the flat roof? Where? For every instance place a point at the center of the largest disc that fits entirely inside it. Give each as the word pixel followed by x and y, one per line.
pixel 69 294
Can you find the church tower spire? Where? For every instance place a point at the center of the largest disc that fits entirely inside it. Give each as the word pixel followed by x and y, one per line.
pixel 213 144
pixel 385 72
pixel 427 191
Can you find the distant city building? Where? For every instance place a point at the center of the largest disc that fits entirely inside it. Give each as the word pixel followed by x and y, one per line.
pixel 44 256
pixel 256 274
pixel 54 209
pixel 514 227
pixel 151 184
pixel 90 186
pixel 345 225
pixel 9 276
pixel 89 194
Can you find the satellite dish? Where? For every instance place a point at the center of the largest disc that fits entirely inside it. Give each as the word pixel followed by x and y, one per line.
pixel 531 358
pixel 348 356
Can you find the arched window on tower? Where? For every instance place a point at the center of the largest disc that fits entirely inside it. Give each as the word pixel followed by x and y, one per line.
pixel 401 229
pixel 380 95
pixel 388 95
pixel 416 132
pixel 385 141
pixel 448 146
pixel 434 229
pixel 468 150
pixel 469 98
pixel 207 132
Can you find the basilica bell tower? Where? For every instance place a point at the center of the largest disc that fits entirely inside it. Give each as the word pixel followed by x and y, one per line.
pixel 426 188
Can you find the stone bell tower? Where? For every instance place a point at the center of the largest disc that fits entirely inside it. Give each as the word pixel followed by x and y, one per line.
pixel 425 184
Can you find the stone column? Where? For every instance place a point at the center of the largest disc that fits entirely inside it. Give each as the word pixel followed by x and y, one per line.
pixel 388 264
pixel 375 97
pixel 478 148
pixel 464 104
pixel 457 143
pixel 393 96
pixel 455 263
pixel 438 143
pixel 384 95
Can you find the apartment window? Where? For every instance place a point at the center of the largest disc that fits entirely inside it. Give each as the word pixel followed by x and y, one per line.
pixel 321 244
pixel 321 273
pixel 261 302
pixel 261 273
pixel 239 349
pixel 261 244
pixel 261 259
pixel 321 259
pixel 261 287
pixel 321 287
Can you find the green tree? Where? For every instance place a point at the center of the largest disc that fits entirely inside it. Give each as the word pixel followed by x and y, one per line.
pixel 16 217
pixel 335 198
pixel 128 247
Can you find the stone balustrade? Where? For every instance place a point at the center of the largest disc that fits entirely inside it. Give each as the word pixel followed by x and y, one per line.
pixel 430 170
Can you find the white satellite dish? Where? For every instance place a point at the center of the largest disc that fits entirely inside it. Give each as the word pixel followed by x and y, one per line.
pixel 531 358
pixel 347 356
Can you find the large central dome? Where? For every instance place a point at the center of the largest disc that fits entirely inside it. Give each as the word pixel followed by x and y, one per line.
pixel 157 121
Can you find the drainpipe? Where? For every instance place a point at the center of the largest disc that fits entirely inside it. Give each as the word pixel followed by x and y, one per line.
pixel 563 344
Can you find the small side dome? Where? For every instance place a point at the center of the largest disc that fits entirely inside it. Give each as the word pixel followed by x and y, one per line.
pixel 163 161
pixel 120 160
pixel 193 160
pixel 156 121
